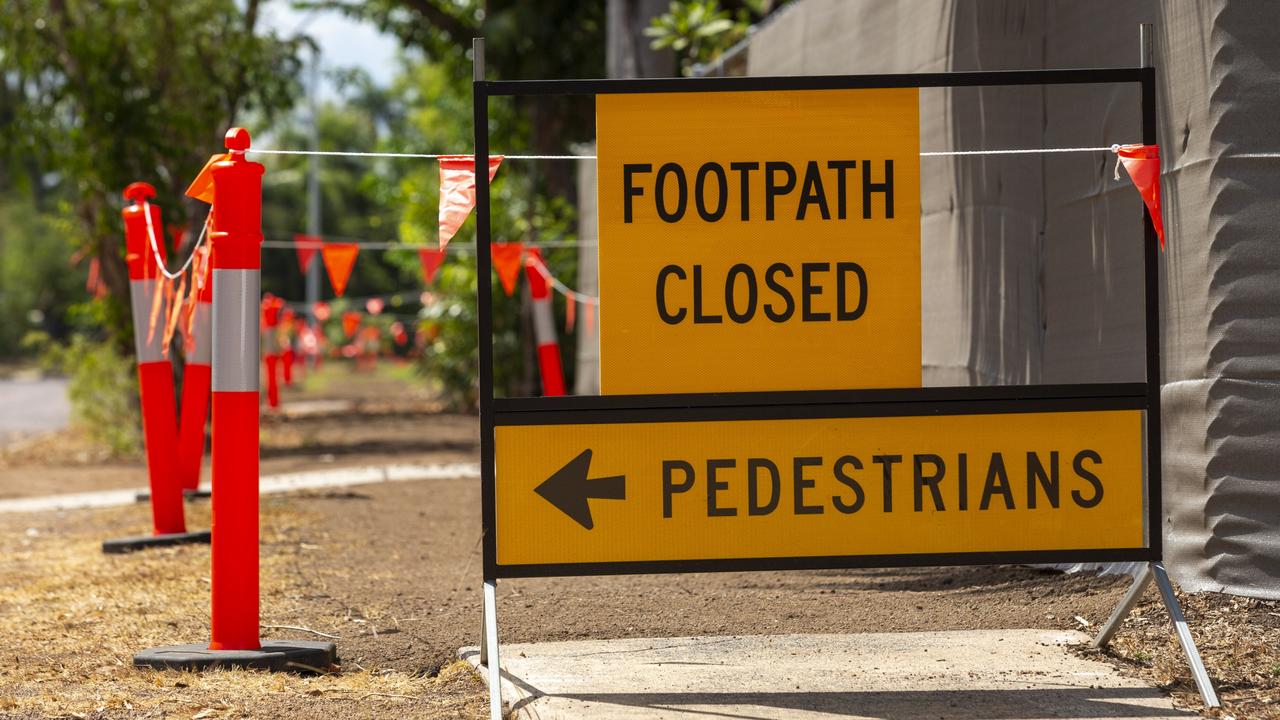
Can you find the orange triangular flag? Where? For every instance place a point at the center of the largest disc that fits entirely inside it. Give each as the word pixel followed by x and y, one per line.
pixel 306 246
pixel 200 279
pixel 458 191
pixel 175 313
pixel 431 261
pixel 202 187
pixel 339 258
pixel 161 293
pixel 570 310
pixel 506 261
pixel 1142 162
pixel 350 322
pixel 589 318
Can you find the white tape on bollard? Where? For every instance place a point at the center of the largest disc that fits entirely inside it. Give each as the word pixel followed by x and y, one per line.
pixel 236 298
pixel 141 295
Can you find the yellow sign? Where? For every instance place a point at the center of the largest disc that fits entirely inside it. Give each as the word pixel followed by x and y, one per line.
pixel 759 240
pixel 713 490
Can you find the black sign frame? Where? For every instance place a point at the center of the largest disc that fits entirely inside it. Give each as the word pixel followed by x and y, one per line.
pixel 815 404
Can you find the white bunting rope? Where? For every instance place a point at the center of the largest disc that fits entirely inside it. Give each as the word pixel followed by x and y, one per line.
pixel 427 156
pixel 436 156
pixel 381 245
pixel 155 247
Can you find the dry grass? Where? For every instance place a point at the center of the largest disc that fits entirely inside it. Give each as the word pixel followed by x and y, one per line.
pixel 1238 638
pixel 71 618
pixel 71 446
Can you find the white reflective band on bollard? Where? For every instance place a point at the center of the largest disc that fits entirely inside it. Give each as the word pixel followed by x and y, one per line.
pixel 141 295
pixel 202 331
pixel 544 326
pixel 236 299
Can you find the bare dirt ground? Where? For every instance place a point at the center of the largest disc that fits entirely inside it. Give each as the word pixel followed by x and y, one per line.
pixel 393 571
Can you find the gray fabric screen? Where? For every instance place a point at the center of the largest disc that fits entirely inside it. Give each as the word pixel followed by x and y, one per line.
pixel 1032 266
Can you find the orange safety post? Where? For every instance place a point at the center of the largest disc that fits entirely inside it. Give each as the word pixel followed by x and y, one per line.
pixel 271 306
pixel 236 235
pixel 286 355
pixel 544 326
pixel 195 389
pixel 143 253
pixel 237 281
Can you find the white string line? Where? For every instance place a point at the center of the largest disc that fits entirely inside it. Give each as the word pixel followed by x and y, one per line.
pixel 429 156
pixel 373 245
pixel 929 153
pixel 155 248
pixel 1022 151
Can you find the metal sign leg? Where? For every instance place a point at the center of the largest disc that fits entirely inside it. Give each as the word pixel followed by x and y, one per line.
pixel 1184 637
pixel 1139 586
pixel 1156 571
pixel 489 649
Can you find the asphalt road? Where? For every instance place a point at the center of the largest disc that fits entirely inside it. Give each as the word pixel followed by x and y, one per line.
pixel 32 406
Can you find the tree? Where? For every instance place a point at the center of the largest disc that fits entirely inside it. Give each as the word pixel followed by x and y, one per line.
pixel 101 93
pixel 700 30
pixel 523 41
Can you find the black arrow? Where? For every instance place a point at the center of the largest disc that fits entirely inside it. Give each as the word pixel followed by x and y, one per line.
pixel 569 489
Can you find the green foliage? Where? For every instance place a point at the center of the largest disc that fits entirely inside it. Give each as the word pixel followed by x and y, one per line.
pixel 37 283
pixel 698 31
pixel 102 388
pixel 102 93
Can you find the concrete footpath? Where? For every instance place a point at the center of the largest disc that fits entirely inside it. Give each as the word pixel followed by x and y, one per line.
pixel 287 482
pixel 1003 674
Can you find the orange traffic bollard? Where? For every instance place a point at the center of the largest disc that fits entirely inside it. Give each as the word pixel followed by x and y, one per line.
pixel 550 366
pixel 237 260
pixel 287 320
pixel 143 253
pixel 271 306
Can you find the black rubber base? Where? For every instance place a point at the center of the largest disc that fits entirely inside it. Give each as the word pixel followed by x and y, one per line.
pixel 300 656
pixel 200 494
pixel 142 542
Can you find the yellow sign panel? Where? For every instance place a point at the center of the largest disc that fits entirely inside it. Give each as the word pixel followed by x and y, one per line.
pixel 759 240
pixel 796 488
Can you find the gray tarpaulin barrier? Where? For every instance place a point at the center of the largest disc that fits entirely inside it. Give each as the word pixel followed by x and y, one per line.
pixel 1032 264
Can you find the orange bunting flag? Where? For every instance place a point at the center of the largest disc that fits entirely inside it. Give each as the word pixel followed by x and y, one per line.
pixel 375 305
pixel 458 191
pixel 339 258
pixel 306 246
pixel 175 314
pixel 1142 162
pixel 506 261
pixel 202 187
pixel 200 279
pixel 94 284
pixel 162 292
pixel 350 322
pixel 432 259
pixel 570 309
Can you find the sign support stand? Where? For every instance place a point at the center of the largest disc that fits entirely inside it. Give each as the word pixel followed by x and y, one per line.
pixel 1141 581
pixel 484 288
pixel 1155 569
pixel 489 648
pixel 526 422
